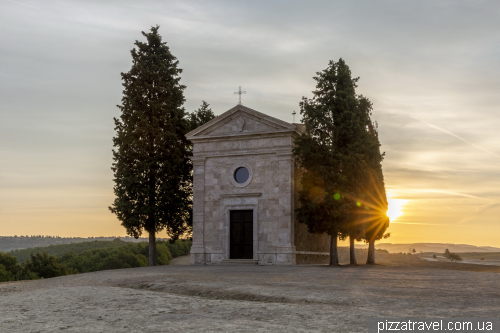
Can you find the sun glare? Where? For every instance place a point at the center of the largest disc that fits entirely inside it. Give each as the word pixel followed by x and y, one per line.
pixel 395 208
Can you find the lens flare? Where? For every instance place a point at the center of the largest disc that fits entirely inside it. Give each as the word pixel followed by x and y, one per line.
pixel 396 208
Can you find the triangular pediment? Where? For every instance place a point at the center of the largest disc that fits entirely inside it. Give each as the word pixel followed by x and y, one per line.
pixel 241 120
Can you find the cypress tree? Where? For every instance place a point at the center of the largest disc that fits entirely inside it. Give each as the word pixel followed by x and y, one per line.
pixel 376 205
pixel 338 153
pixel 151 156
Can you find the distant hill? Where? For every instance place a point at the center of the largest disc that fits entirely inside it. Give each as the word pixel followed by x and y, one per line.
pixel 9 243
pixel 60 249
pixel 432 247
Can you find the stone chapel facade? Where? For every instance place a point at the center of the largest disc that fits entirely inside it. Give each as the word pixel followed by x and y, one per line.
pixel 245 191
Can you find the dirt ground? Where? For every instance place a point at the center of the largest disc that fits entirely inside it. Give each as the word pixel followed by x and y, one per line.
pixel 186 298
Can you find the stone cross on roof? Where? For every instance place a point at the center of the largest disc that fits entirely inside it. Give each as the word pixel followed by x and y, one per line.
pixel 239 92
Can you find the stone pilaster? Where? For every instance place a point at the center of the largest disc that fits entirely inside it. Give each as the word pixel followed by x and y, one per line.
pixel 198 247
pixel 286 250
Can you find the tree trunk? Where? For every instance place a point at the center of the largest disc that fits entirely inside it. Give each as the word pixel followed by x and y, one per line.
pixel 152 248
pixel 371 253
pixel 334 253
pixel 352 253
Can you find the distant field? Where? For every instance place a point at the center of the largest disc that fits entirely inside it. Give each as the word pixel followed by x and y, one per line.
pixel 9 243
pixel 59 250
pixel 487 256
pixel 432 247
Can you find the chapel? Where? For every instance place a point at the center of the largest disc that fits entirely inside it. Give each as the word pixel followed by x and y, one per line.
pixel 245 187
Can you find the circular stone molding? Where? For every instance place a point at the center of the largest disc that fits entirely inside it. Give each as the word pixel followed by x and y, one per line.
pixel 233 171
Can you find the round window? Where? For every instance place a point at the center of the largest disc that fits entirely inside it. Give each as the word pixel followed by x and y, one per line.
pixel 241 175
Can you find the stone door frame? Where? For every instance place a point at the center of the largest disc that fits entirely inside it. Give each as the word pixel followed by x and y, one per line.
pixel 227 226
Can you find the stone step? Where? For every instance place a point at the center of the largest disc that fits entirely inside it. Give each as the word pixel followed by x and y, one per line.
pixel 239 262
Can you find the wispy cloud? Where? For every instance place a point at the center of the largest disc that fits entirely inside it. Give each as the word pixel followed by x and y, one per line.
pixel 397 189
pixel 479 210
pixel 456 136
pixel 445 225
pixel 23 4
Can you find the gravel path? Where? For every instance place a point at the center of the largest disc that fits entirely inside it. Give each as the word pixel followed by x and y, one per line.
pixel 248 298
pixel 183 260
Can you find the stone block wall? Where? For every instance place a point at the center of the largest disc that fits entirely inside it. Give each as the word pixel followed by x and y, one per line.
pixel 269 194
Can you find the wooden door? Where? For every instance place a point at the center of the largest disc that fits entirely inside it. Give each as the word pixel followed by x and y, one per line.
pixel 241 231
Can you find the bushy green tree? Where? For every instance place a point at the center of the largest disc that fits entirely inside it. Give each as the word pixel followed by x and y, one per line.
pixel 129 256
pixel 5 275
pixel 10 270
pixel 200 116
pixel 452 256
pixel 151 156
pixel 181 247
pixel 195 119
pixel 61 249
pixel 9 262
pixel 337 153
pixel 46 266
pixel 122 259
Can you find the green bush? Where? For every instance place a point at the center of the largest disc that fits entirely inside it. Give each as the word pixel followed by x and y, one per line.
pixel 10 270
pixel 131 255
pixel 5 275
pixel 9 263
pixel 452 256
pixel 181 247
pixel 46 266
pixel 25 274
pixel 61 249
pixel 81 259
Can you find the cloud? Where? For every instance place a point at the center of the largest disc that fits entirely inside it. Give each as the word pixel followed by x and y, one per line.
pixel 478 213
pixel 456 136
pixel 23 4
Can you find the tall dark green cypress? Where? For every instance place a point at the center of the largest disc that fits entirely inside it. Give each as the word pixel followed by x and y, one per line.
pixel 151 156
pixel 376 219
pixel 337 155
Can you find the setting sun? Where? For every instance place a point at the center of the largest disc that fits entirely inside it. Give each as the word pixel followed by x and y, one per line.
pixel 396 208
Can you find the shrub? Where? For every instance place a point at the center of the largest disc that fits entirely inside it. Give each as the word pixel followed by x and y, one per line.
pixel 131 255
pixel 5 275
pixel 61 249
pixel 10 270
pixel 452 256
pixel 25 274
pixel 46 266
pixel 9 263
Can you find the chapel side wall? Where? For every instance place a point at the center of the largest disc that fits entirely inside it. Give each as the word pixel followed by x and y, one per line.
pixel 304 240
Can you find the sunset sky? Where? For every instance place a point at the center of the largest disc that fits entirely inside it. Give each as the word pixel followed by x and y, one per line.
pixel 431 69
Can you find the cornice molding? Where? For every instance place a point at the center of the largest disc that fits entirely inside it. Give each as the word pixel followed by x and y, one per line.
pixel 241 195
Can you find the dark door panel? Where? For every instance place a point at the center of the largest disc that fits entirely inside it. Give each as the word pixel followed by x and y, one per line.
pixel 241 234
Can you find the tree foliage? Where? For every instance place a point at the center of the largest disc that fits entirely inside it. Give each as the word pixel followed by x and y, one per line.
pixel 131 255
pixel 10 270
pixel 44 265
pixel 452 256
pixel 151 156
pixel 340 156
pixel 200 116
pixel 59 250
